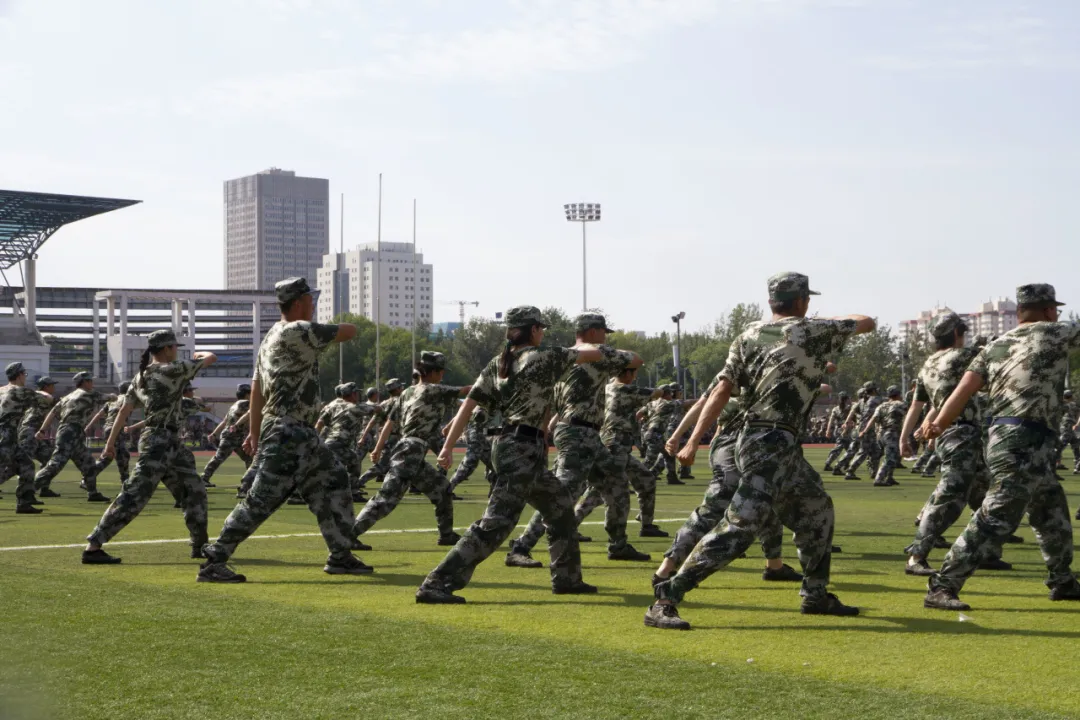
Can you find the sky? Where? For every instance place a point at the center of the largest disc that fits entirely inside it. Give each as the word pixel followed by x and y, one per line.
pixel 902 153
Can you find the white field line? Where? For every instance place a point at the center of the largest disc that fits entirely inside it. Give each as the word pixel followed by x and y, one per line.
pixel 166 541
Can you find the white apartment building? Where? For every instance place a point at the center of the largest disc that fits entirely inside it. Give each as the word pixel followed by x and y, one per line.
pixel 394 275
pixel 994 317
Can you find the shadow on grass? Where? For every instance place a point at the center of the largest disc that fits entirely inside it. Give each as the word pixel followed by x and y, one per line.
pixel 901 625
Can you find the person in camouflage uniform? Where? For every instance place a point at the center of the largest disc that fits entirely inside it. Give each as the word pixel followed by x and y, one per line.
pixel 868 444
pixel 109 411
pixel 15 400
pixel 229 435
pixel 1070 418
pixel 378 418
pixel 582 456
pixel 1024 372
pixel 780 364
pixel 659 412
pixel 961 446
pixel 158 389
pixel 340 423
pixel 283 411
pixel 366 442
pixel 519 384
pixel 855 408
pixel 835 429
pixel 622 400
pixel 477 448
pixel 888 420
pixel 74 411
pixel 40 450
pixel 416 416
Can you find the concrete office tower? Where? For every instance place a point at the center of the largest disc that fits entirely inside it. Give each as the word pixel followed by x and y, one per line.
pixel 405 285
pixel 276 226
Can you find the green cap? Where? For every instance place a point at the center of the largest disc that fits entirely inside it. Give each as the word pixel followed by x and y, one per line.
pixel 124 387
pixel 394 384
pixel 869 386
pixel 44 381
pixel 160 339
pixel 14 370
pixel 524 316
pixel 1037 294
pixel 946 323
pixel 892 390
pixel 1068 393
pixel 591 321
pixel 346 389
pixel 81 377
pixel 789 286
pixel 371 392
pixel 433 359
pixel 291 289
pixel 243 389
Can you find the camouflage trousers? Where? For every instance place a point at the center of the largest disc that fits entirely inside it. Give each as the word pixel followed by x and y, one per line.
pixel 408 468
pixel 774 478
pixel 521 477
pixel 890 443
pixel 40 450
pixel 229 444
pixel 584 461
pixel 1069 439
pixel 722 487
pixel 853 449
pixel 345 453
pixel 70 445
pixel 291 457
pixel 477 450
pixel 162 458
pixel 843 443
pixel 15 461
pixel 637 475
pixel 869 452
pixel 961 450
pixel 253 469
pixel 123 458
pixel 924 458
pixel 379 469
pixel 656 457
pixel 1020 460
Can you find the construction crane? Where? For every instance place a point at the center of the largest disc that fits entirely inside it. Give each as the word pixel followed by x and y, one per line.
pixel 461 307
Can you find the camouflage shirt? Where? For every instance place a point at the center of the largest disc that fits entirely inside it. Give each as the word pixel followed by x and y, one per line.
pixel 889 416
pixel 732 416
pixel 77 407
pixel 192 406
pixel 35 414
pixel 423 409
pixel 159 389
pixel 1070 413
pixel 869 406
pixel 343 420
pixel 581 393
pixel 1024 370
pixel 660 412
pixel 620 403
pixel 238 409
pixel 14 402
pixel 524 396
pixel 836 418
pixel 288 368
pixel 111 411
pixel 781 364
pixel 940 375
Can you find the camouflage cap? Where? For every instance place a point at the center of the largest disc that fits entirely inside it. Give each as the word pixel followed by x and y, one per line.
pixel 14 370
pixel 842 395
pixel 81 377
pixel 1037 294
pixel 160 339
pixel 188 387
pixel 433 359
pixel 893 390
pixel 291 289
pixel 869 386
pixel 860 393
pixel 789 286
pixel 345 389
pixel 394 384
pixel 945 324
pixel 524 316
pixel 44 381
pixel 243 389
pixel 591 321
pixel 1068 393
pixel 124 387
pixel 675 387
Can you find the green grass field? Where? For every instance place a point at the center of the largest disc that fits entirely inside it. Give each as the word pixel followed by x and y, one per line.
pixel 143 640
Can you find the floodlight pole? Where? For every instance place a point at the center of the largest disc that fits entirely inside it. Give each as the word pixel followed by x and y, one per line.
pixel 583 213
pixel 584 272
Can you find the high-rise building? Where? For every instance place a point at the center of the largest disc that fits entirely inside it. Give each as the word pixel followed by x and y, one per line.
pixel 994 317
pixel 405 285
pixel 276 226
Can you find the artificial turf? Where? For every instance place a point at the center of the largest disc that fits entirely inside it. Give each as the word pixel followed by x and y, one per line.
pixel 143 640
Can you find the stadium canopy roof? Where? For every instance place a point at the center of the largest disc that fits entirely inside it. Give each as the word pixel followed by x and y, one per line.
pixel 28 219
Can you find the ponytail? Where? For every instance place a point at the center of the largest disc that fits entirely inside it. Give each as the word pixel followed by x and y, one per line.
pixel 144 361
pixel 515 337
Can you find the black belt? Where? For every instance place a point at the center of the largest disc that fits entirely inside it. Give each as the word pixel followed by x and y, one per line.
pixel 170 428
pixel 493 432
pixel 1022 422
pixel 773 425
pixel 522 430
pixel 581 423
